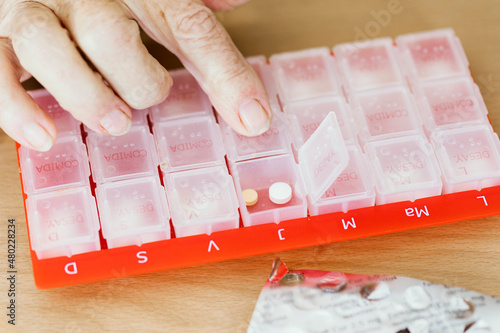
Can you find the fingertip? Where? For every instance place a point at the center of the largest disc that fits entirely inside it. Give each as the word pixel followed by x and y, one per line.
pixel 32 127
pixel 254 117
pixel 165 84
pixel 44 119
pixel 117 122
pixel 37 137
pixel 151 91
pixel 223 5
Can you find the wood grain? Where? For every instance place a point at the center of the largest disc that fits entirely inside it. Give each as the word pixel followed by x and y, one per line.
pixel 220 297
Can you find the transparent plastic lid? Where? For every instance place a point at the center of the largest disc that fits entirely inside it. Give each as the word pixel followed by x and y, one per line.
pixel 305 74
pixel 185 99
pixel 189 143
pixel 369 64
pixel 65 123
pixel 305 117
pixel 201 196
pixel 62 218
pixel 323 157
pixel 119 157
pixel 385 113
pixel 263 70
pixel 433 54
pixel 274 141
pixel 132 207
pixel 65 165
pixel 139 117
pixel 451 103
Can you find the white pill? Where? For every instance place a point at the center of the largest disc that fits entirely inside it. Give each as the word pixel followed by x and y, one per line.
pixel 417 298
pixel 280 193
pixel 380 291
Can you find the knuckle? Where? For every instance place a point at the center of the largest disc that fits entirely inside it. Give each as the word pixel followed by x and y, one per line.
pixel 31 37
pixel 109 36
pixel 235 73
pixel 30 21
pixel 232 70
pixel 196 22
pixel 102 31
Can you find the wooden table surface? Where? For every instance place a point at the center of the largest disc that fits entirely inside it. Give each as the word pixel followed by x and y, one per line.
pixel 220 297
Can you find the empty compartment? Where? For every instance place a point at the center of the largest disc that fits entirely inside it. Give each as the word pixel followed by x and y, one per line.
pixel 432 55
pixel 204 201
pixel 469 158
pixel 130 155
pixel 189 143
pixel 404 169
pixel 263 70
pixel 451 103
pixel 369 64
pixel 352 189
pixel 65 165
pixel 259 175
pixel 186 98
pixel 305 74
pixel 133 212
pixel 65 123
pixel 386 113
pixel 275 141
pixel 305 116
pixel 63 223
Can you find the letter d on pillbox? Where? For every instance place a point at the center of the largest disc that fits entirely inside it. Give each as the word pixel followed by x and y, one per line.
pixel 323 157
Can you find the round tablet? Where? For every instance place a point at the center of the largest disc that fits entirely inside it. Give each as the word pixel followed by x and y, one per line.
pixel 280 193
pixel 250 196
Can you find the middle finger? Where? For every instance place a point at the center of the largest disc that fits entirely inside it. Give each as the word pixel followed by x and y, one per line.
pixel 113 43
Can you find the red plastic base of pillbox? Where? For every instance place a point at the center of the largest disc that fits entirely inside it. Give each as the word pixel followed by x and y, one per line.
pixel 267 238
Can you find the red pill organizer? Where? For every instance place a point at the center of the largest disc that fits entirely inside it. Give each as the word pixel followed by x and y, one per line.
pixel 374 137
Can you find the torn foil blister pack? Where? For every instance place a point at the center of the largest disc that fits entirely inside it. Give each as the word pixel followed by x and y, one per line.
pixel 321 301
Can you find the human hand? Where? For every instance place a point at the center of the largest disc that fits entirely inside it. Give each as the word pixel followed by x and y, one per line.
pixel 43 39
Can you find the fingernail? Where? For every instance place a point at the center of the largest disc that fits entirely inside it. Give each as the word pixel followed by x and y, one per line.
pixel 254 117
pixel 37 137
pixel 116 122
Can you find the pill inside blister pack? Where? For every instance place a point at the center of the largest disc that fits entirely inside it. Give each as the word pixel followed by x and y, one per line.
pixel 368 124
pixel 321 301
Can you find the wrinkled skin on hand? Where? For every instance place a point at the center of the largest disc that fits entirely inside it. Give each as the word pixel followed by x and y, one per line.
pixel 44 39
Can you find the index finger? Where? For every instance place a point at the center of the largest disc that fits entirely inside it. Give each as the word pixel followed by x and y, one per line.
pixel 190 30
